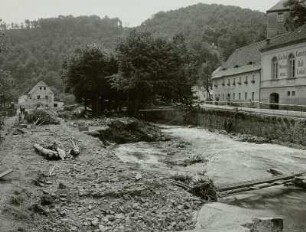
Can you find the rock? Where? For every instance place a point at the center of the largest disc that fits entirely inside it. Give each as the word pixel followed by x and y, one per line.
pixel 138 176
pixel 95 222
pixel 266 225
pixel 102 228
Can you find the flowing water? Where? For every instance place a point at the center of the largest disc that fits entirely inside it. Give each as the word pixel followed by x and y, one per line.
pixel 231 161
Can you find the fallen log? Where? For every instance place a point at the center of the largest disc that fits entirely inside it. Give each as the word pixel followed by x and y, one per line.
pixel 3 174
pixel 46 152
pixel 257 182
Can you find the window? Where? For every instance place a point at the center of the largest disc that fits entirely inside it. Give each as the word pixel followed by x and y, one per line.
pixel 280 17
pixel 239 96
pixel 288 93
pixel 45 88
pixel 38 96
pixel 40 88
pixel 293 93
pixel 246 80
pixel 55 104
pixel 246 96
pixel 274 68
pixel 291 70
pixel 253 96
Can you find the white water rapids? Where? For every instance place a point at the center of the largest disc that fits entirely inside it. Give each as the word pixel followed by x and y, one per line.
pixel 231 161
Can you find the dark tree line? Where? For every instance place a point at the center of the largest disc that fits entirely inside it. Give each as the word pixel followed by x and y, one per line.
pixel 145 70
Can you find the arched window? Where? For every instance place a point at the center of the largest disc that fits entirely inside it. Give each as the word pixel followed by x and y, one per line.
pixel 291 69
pixel 274 68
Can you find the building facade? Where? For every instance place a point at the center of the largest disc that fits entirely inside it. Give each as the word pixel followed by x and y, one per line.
pixel 238 79
pixel 39 96
pixel 284 69
pixel 272 71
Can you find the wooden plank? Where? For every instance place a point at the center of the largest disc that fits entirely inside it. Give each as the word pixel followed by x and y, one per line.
pixel 3 174
pixel 257 182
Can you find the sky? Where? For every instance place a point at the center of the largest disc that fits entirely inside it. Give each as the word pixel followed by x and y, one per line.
pixel 131 12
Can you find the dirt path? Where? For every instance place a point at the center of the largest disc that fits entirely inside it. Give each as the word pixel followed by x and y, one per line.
pixel 95 192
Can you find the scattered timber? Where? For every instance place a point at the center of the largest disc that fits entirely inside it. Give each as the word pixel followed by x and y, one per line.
pixel 49 154
pixel 259 184
pixel 3 174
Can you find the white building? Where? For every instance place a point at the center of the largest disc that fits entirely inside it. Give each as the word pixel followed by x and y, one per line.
pixel 39 96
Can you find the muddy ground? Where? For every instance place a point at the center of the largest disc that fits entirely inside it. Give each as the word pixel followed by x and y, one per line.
pixel 93 192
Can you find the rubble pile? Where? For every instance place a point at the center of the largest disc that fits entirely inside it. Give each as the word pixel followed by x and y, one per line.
pixel 128 130
pixel 42 117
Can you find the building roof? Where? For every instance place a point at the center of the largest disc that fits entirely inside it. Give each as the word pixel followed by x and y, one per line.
pixel 245 55
pixel 244 59
pixel 280 6
pixel 236 71
pixel 289 38
pixel 39 84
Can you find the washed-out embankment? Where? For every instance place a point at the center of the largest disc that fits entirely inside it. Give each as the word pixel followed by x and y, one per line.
pixel 279 129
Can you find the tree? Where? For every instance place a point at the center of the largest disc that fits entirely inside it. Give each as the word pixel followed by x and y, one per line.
pixel 297 16
pixel 6 88
pixel 84 74
pixel 149 69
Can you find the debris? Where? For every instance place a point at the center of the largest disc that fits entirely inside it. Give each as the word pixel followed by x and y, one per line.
pixel 51 171
pixel 275 172
pixel 47 153
pixel 42 117
pixel 3 174
pixel 51 152
pixel 18 131
pixel 266 224
pixel 75 151
pixel 138 176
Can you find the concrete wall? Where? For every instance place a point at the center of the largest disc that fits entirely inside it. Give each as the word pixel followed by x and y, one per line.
pixel 240 91
pixel 279 128
pixel 284 83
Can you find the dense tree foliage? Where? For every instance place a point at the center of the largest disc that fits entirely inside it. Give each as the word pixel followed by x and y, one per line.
pixel 297 16
pixel 152 68
pixel 7 90
pixel 36 49
pixel 85 73
pixel 222 27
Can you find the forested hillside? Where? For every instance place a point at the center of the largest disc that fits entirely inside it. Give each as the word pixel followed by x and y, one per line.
pixel 35 50
pixel 226 27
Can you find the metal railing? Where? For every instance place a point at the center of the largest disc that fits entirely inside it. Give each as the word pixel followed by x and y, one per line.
pixel 258 107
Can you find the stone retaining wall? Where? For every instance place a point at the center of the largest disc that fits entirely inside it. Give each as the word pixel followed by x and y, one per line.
pixel 281 128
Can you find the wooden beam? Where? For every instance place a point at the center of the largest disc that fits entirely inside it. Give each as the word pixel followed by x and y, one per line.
pixel 3 174
pixel 257 182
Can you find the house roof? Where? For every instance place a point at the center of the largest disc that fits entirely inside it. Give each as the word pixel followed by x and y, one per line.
pixel 244 59
pixel 290 38
pixel 39 84
pixel 245 56
pixel 280 6
pixel 235 71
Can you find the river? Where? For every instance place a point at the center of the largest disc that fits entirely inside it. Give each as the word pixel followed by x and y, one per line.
pixel 232 161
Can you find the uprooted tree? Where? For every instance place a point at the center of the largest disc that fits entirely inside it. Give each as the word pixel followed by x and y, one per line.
pixel 152 70
pixel 84 74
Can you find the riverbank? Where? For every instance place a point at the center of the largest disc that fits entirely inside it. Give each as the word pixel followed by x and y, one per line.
pixel 93 192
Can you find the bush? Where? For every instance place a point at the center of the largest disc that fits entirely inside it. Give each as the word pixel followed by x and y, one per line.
pixel 42 117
